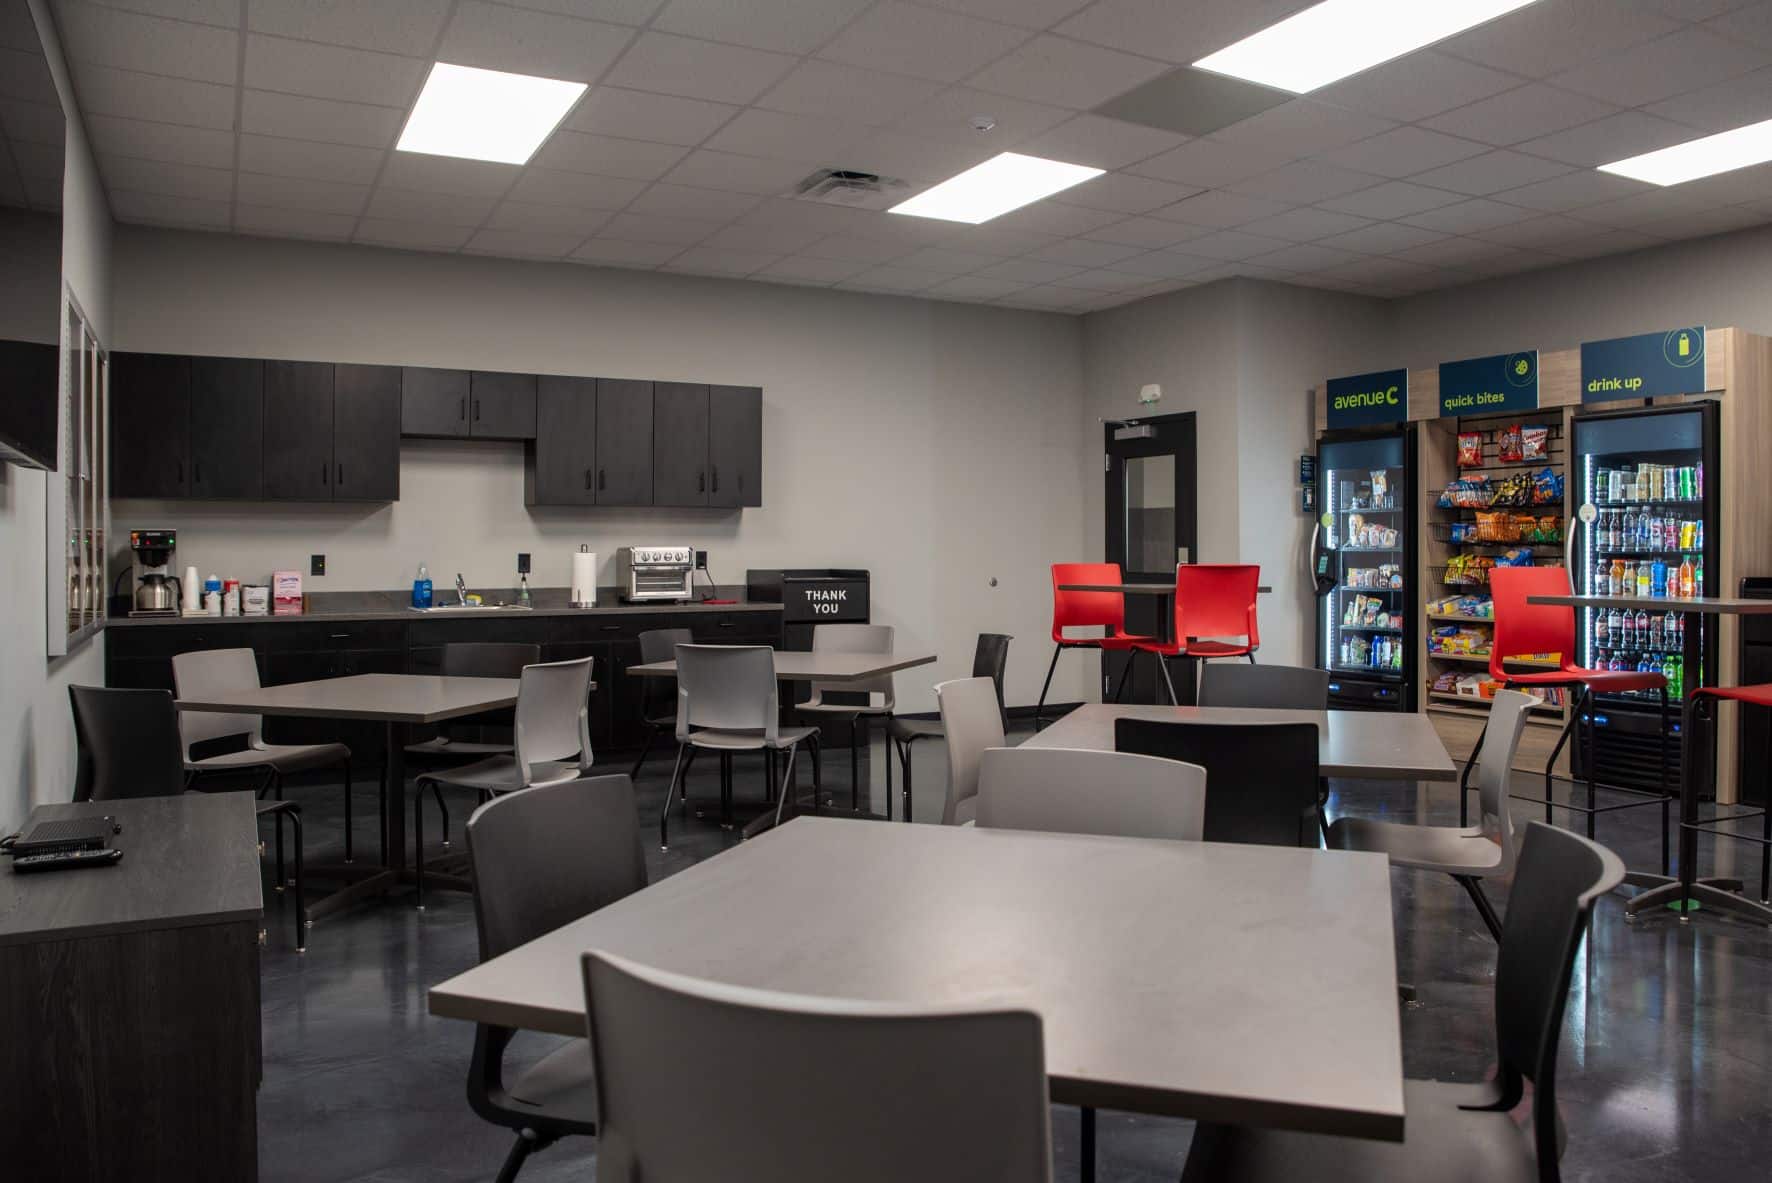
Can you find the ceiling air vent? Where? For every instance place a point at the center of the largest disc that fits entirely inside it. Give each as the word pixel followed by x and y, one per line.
pixel 847 187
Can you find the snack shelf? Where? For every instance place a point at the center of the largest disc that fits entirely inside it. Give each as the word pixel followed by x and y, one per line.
pixel 1688 501
pixel 1483 660
pixel 1368 550
pixel 1460 619
pixel 1441 700
pixel 1371 628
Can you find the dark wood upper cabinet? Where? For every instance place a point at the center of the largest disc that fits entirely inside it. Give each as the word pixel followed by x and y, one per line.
pixel 624 442
pixel 501 406
pixel 735 445
pixel 679 443
pixel 560 466
pixel 227 428
pixel 366 433
pixel 298 431
pixel 433 402
pixel 150 425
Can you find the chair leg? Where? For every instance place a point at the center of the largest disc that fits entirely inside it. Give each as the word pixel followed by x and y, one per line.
pixel 683 797
pixel 348 850
pixel 1563 738
pixel 437 796
pixel 1766 828
pixel 277 790
pixel 279 883
pixel 1125 673
pixel 855 764
pixel 1086 1150
pixel 1666 854
pixel 1483 905
pixel 526 1144
pixel 645 751
pixel 1593 752
pixel 664 815
pixel 1170 686
pixel 787 785
pixel 904 759
pixel 888 766
pixel 418 846
pixel 1047 685
pixel 301 908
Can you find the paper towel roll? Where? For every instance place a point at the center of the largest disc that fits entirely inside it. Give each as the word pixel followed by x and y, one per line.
pixel 584 578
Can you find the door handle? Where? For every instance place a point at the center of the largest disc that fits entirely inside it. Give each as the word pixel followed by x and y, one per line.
pixel 181 472
pixel 463 413
pixel 476 410
pixel 587 480
pixel 324 474
pixel 701 482
pixel 341 474
pixel 602 479
pixel 716 469
pixel 196 473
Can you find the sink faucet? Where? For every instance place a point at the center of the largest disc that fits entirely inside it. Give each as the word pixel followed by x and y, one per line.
pixel 461 590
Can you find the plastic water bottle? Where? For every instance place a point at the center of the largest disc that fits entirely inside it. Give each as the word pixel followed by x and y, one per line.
pixel 421 588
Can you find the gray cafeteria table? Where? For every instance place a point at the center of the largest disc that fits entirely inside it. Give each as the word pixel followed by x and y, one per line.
pixel 1245 984
pixel 1372 745
pixel 1684 892
pixel 397 700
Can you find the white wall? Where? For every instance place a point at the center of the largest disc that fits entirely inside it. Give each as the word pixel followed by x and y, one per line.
pixel 930 443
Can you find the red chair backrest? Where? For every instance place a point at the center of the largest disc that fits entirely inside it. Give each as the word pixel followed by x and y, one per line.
pixel 1522 628
pixel 1074 609
pixel 1216 600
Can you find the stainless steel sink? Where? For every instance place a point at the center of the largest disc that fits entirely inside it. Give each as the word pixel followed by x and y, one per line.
pixel 469 609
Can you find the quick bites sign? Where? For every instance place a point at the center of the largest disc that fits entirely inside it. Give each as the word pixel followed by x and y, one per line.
pixel 1368 400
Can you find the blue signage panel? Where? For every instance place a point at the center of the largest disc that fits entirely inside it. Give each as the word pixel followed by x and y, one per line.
pixel 1479 385
pixel 1365 400
pixel 1645 366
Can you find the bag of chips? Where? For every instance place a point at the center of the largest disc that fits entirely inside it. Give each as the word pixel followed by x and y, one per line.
pixel 1535 442
pixel 1470 449
pixel 1511 448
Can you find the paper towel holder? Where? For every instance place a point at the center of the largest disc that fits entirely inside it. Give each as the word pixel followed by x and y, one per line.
pixel 584 578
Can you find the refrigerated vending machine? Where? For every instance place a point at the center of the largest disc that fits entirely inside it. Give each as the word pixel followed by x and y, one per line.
pixel 1652 478
pixel 1363 564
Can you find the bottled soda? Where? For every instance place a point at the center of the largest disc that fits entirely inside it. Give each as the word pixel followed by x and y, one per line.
pixel 1624 630
pixel 1698 534
pixel 1642 629
pixel 1673 630
pixel 1602 629
pixel 1603 578
pixel 1644 574
pixel 1675 676
pixel 1656 632
pixel 1684 576
pixel 1616 582
pixel 1698 576
pixel 1658 577
pixel 1628 530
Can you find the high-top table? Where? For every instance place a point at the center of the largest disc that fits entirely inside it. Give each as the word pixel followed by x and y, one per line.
pixel 397 700
pixel 1686 889
pixel 1252 985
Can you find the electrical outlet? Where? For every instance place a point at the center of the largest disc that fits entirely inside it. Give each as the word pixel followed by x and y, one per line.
pixel 522 562
pixel 316 564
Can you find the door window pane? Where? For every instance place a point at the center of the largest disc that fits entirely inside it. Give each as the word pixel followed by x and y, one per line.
pixel 1150 513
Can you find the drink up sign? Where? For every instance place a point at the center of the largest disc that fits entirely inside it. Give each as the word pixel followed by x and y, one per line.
pixel 1644 366
pixel 1369 400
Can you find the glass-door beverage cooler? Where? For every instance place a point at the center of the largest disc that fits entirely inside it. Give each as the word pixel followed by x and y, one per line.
pixel 1364 567
pixel 1653 481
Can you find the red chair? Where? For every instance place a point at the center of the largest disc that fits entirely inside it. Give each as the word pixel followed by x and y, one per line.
pixel 1075 609
pixel 1760 696
pixel 1522 629
pixel 1211 600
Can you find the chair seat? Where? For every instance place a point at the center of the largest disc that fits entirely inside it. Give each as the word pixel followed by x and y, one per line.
pixel 747 741
pixel 285 758
pixel 1443 1144
pixel 501 774
pixel 1198 648
pixel 905 730
pixel 561 1085
pixel 1429 848
pixel 1118 642
pixel 838 708
pixel 1760 695
pixel 464 748
pixel 1604 681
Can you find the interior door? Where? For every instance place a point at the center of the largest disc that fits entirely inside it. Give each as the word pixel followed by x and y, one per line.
pixel 1152 523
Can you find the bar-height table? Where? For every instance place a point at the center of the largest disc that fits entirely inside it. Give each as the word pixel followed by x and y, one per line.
pixel 1686 888
pixel 396 700
pixel 1195 1009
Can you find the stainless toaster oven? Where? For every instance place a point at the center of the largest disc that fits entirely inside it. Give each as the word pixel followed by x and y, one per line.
pixel 655 572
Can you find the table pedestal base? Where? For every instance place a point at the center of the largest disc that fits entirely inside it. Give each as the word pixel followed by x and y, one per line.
pixel 1717 893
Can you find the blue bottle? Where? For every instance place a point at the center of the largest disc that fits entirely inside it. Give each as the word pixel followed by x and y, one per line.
pixel 421 588
pixel 1658 579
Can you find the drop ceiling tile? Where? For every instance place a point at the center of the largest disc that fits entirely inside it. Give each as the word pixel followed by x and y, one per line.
pixel 1572 191
pixel 44 123
pixel 1381 238
pixel 103 90
pixel 294 223
pixel 1066 73
pixel 949 115
pixel 1522 114
pixel 1147 232
pixel 1305 257
pixel 448 174
pixel 444 209
pixel 305 158
pixel 926 42
pixel 1221 209
pixel 741 174
pixel 1049 217
pixel 1028 271
pixel 1303 182
pixel 1402 152
pixel 167 210
pixel 547 219
pixel 162 178
pixel 780 136
pixel 1101 142
pixel 132 41
pixel 1543 232
pixel 1660 69
pixel 1393 199
pixel 419 236
pixel 537 244
pixel 1751 23
pixel 1416 86
pixel 1125 193
pixel 1305 225
pixel 1491 173
pixel 851 249
pixel 1303 127
pixel 24 75
pixel 1640 209
pixel 579 190
pixel 495 37
pixel 1154 28
pixel 1454 252
pixel 304 194
pixel 806 269
pixel 651 228
pixel 1052 296
pixel 1210 163
pixel 1034 14
pixel 1552 35
pixel 831 91
pixel 1377 271
pixel 976 287
pixel 1082 252
pixel 1616 137
pixel 775 240
pixel 331 72
pixel 1164 264
pixel 951 261
pixel 897 279
pixel 622 12
pixel 301 118
pixel 203 12
pixel 1230 245
pixel 1609 242
pixel 637 115
pixel 790 26
pixel 617 253
pixel 150 141
pixel 1703 222
pixel 916 159
pixel 997 239
pixel 1738 101
pixel 607 156
pixel 407 27
pixel 1104 280
pixel 686 201
pixel 698 69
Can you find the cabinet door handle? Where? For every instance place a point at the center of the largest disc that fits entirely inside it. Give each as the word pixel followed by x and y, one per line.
pixel 181 472
pixel 602 479
pixel 341 474
pixel 701 482
pixel 587 480
pixel 716 469
pixel 609 628
pixel 196 473
pixel 324 475
pixel 463 414
pixel 476 410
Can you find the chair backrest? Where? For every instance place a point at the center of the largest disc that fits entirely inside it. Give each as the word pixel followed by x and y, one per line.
pixel 551 854
pixel 1557 880
pixel 204 673
pixel 554 713
pixel 1274 687
pixel 973 722
pixel 488 659
pixel 1501 739
pixel 1075 609
pixel 128 744
pixel 1217 600
pixel 727 688
pixel 771 1079
pixel 658 696
pixel 1074 791
pixel 1522 628
pixel 854 638
pixel 989 659
pixel 1261 777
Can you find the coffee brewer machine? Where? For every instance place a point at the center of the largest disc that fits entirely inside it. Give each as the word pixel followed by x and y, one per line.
pixel 157 589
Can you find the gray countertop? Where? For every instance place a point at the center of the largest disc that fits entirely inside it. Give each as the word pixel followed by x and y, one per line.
pixel 341 607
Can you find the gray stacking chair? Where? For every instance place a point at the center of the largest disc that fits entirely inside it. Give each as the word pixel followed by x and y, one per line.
pixel 1469 854
pixel 1073 791
pixel 1459 1132
pixel 973 722
pixel 552 744
pixel 700 1082
pixel 989 658
pixel 543 858
pixel 658 698
pixel 875 694
pixel 727 701
pixel 452 743
pixel 1270 687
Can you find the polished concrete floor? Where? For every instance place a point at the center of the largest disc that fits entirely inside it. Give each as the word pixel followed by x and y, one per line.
pixel 1664 1073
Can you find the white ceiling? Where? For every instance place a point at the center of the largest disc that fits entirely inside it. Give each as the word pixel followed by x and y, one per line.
pixel 1470 159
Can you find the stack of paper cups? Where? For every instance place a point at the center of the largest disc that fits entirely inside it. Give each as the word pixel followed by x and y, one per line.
pixel 191 588
pixel 584 578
